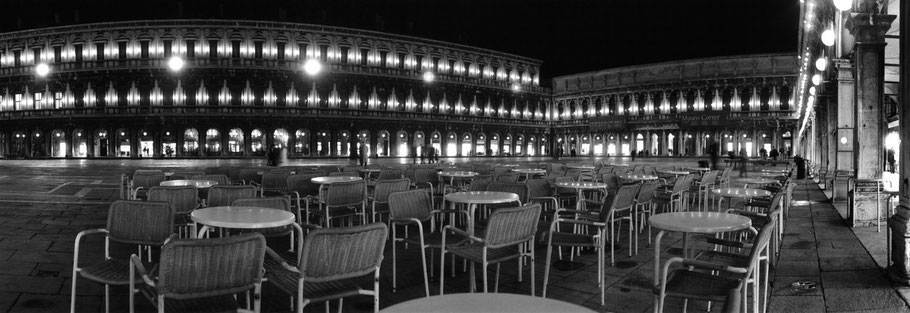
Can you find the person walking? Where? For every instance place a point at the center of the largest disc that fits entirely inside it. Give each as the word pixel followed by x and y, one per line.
pixel 891 160
pixel 414 154
pixel 364 154
pixel 743 161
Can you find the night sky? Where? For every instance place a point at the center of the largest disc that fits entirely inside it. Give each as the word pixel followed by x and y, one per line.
pixel 569 36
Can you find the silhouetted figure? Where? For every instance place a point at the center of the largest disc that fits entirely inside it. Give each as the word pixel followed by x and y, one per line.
pixel 364 154
pixel 744 159
pixel 572 153
pixel 773 154
pixel 714 151
pixel 891 160
pixel 414 154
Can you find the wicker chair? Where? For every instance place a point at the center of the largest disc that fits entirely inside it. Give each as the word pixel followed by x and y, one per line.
pixel 623 205
pixel 142 223
pixel 379 202
pixel 644 207
pixel 728 286
pixel 390 174
pixel 225 195
pixel 220 178
pixel 300 187
pixel 251 175
pixel 596 219
pixel 331 260
pixel 408 208
pixel 142 181
pixel 509 235
pixel 345 199
pixel 426 178
pixel 507 178
pixel 183 199
pixel 480 182
pixel 674 199
pixel 186 174
pixel 274 184
pixel 198 275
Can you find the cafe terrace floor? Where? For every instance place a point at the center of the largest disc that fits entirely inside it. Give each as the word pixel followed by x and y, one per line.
pixel 44 203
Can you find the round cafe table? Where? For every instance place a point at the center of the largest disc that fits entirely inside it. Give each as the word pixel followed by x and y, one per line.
pixel 454 174
pixel 640 178
pixel 198 183
pixel 528 172
pixel 328 180
pixel 674 172
pixel 756 181
pixel 693 222
pixel 473 198
pixel 485 302
pixel 242 217
pixel 742 193
pixel 699 169
pixel 780 171
pixel 580 167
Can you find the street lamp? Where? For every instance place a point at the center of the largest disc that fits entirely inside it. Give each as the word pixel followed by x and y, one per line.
pixel 42 69
pixel 312 67
pixel 843 5
pixel 516 87
pixel 828 37
pixel 429 76
pixel 821 64
pixel 175 63
pixel 816 79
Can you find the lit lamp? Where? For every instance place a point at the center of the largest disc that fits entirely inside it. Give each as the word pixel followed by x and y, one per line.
pixel 42 69
pixel 843 5
pixel 429 76
pixel 816 79
pixel 821 64
pixel 828 37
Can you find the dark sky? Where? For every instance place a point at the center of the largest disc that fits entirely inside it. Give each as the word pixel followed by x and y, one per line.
pixel 569 36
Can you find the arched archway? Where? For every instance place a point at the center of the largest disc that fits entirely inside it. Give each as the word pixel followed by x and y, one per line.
pixel 280 138
pixel 58 144
pixel 190 142
pixel 494 144
pixel 235 142
pixel 519 145
pixel 302 142
pixel 212 142
pixel 383 146
pixel 480 145
pixel 168 144
pixel 80 144
pixel 101 144
pixel 123 142
pixel 146 144
pixel 401 144
pixel 257 142
pixel 323 143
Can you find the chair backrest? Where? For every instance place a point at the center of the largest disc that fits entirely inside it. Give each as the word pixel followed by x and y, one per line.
pixel 183 199
pixel 327 169
pixel 147 179
pixel 499 170
pixel 539 188
pixel 275 180
pixel 563 190
pixel 646 192
pixel 683 183
pixel 251 175
pixel 763 239
pixel 277 203
pixel 220 178
pixel 483 169
pixel 302 184
pixel 390 173
pixel 347 174
pixel 709 178
pixel 342 252
pixel 411 204
pixel 425 175
pixel 480 182
pixel 345 193
pixel 507 178
pixel 385 187
pixel 235 175
pixel 186 174
pixel 355 169
pixel 517 188
pixel 612 181
pixel 140 222
pixel 557 167
pixel 193 268
pixel 225 195
pixel 509 226
pixel 625 197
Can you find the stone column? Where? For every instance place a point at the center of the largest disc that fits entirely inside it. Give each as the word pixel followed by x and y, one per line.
pixel 899 271
pixel 869 31
pixel 845 105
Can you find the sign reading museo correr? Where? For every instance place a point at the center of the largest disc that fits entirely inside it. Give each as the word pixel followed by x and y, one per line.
pixel 689 119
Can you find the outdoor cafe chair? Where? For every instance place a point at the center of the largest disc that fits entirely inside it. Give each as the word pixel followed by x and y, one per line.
pixel 331 261
pixel 225 195
pixel 140 223
pixel 274 184
pixel 202 275
pixel 142 181
pixel 344 199
pixel 183 199
pixel 379 202
pixel 301 187
pixel 509 235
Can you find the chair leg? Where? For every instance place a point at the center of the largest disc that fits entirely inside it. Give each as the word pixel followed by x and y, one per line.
pixel 533 280
pixel 423 260
pixel 546 268
pixel 496 281
pixel 442 266
pixel 395 262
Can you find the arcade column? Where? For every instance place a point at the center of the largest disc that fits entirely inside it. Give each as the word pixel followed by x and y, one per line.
pixel 899 223
pixel 869 31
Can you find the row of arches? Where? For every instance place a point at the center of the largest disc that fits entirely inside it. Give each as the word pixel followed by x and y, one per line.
pixel 244 142
pixel 674 143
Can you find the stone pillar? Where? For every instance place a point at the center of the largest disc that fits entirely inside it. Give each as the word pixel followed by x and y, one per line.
pixel 845 105
pixel 899 224
pixel 225 139
pixel 869 31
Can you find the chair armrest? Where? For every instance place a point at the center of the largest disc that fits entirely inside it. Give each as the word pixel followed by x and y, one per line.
pixel 703 265
pixel 136 262
pixel 581 222
pixel 727 243
pixel 284 263
pixel 79 240
pixel 460 232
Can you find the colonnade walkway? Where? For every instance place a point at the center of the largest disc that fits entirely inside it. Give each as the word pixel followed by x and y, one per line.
pixel 824 266
pixel 43 204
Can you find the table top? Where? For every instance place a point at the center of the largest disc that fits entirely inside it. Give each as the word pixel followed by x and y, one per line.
pixel 458 173
pixel 699 222
pixel 741 192
pixel 582 185
pixel 334 179
pixel 507 165
pixel 757 180
pixel 782 171
pixel 482 197
pixel 638 177
pixel 580 166
pixel 674 172
pixel 624 165
pixel 242 217
pixel 199 183
pixel 485 302
pixel 370 170
pixel 529 170
pixel 772 174
pixel 703 169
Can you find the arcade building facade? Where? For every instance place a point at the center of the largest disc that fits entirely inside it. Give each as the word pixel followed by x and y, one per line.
pixel 229 89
